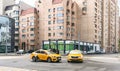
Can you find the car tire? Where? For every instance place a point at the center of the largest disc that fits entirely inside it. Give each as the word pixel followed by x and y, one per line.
pixel 68 61
pixel 81 61
pixel 59 61
pixel 49 60
pixel 34 59
pixel 37 59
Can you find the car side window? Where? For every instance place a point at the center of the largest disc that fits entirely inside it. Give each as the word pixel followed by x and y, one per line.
pixel 43 52
pixel 37 51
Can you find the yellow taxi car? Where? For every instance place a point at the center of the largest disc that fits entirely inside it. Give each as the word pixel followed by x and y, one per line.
pixel 75 55
pixel 44 55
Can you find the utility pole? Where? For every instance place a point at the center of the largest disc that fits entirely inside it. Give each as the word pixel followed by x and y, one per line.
pixel 6 39
pixel 78 41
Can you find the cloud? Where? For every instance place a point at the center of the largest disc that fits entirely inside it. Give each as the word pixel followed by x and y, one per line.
pixel 30 2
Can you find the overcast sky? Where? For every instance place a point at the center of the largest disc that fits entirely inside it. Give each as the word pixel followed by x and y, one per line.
pixel 30 2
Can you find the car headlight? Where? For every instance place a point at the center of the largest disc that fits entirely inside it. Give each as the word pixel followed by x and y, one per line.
pixel 54 56
pixel 80 56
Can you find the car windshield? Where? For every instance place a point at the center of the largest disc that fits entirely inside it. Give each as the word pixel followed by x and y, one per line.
pixel 75 52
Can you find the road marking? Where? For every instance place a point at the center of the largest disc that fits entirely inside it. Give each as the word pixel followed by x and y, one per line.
pixel 13 69
pixel 101 69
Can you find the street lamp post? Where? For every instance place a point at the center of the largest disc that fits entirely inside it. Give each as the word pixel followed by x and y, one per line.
pixel 78 40
pixel 6 39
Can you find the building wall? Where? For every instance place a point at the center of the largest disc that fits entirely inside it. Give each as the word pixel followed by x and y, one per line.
pixel 7 29
pixel 90 20
pixel 58 21
pixel 27 28
pixel 100 23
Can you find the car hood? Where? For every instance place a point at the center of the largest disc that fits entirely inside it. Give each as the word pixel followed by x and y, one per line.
pixel 75 55
pixel 57 55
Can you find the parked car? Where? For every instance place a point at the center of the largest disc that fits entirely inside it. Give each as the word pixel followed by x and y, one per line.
pixel 21 52
pixel 45 55
pixel 75 55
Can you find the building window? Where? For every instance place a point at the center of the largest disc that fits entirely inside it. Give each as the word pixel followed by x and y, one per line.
pixel 16 12
pixel 49 34
pixel 95 25
pixel 95 4
pixel 53 21
pixel 53 34
pixel 73 12
pixel 23 20
pixel 17 24
pixel 16 18
pixel 49 10
pixel 60 27
pixel 60 9
pixel 16 29
pixel 32 18
pixel 31 29
pixel 60 34
pixel 67 2
pixel 23 25
pixel 60 15
pixel 32 35
pixel 49 22
pixel 53 9
pixel 32 41
pixel 23 30
pixel 95 31
pixel 16 35
pixel 49 16
pixel 60 21
pixel 31 24
pixel 49 28
pixel 72 5
pixel 95 36
pixel 23 36
pixel 73 24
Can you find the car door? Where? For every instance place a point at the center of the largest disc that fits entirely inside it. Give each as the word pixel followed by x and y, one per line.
pixel 44 55
pixel 39 54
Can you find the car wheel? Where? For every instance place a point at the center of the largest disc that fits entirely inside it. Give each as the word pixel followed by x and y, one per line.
pixel 68 61
pixel 59 61
pixel 49 60
pixel 34 59
pixel 81 61
pixel 37 59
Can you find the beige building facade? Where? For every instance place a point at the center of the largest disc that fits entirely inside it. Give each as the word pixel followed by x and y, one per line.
pixel 97 21
pixel 28 19
pixel 58 20
pixel 100 23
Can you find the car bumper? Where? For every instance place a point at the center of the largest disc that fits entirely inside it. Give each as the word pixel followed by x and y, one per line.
pixel 75 59
pixel 56 59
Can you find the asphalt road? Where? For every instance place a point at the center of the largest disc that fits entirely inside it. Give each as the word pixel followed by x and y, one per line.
pixel 25 63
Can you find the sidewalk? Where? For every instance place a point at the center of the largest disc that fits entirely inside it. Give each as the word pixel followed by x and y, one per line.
pixel 13 69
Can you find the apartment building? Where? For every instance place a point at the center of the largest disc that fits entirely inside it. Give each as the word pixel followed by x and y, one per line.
pixel 99 23
pixel 14 11
pixel 4 3
pixel 59 20
pixel 90 20
pixel 7 28
pixel 28 19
